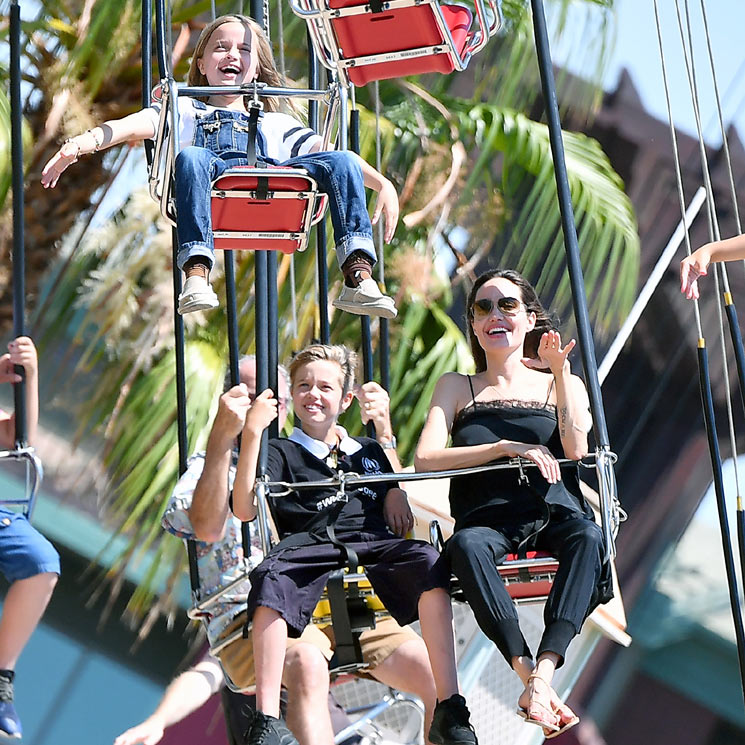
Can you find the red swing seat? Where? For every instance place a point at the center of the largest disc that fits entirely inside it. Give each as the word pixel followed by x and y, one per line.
pixel 398 38
pixel 268 209
pixel 528 579
pixel 405 35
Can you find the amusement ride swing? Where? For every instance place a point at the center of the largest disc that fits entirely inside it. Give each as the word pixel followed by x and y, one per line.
pixel 249 207
pixel 349 603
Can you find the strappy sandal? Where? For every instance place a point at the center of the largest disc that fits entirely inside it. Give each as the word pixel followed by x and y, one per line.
pixel 533 712
pixel 567 720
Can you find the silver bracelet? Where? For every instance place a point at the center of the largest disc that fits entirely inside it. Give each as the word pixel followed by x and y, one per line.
pixel 95 139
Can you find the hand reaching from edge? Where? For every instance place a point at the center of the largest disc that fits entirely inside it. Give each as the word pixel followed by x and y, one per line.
pixel 691 268
pixel 21 351
pixel 387 205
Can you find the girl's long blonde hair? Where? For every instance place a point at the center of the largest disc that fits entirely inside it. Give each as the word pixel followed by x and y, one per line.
pixel 267 73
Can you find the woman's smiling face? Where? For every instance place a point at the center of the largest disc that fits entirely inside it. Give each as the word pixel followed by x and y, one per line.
pixel 502 327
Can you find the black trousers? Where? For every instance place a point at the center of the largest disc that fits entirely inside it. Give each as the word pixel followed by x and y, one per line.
pixel 474 554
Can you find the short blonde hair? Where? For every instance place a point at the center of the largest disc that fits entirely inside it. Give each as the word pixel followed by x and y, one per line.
pixel 344 357
pixel 268 72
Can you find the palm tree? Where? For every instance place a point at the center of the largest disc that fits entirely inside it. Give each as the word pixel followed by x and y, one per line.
pixel 470 170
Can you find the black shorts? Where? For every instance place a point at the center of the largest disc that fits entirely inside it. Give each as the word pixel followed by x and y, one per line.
pixel 291 580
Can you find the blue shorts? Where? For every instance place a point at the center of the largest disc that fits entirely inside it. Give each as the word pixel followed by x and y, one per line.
pixel 24 552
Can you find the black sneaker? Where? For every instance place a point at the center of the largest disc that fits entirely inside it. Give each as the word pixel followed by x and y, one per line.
pixel 266 730
pixel 450 723
pixel 10 724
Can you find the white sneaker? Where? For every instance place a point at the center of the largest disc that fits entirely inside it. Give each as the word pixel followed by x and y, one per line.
pixel 366 300
pixel 196 295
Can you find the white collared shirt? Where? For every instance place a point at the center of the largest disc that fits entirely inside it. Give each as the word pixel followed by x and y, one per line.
pixel 319 448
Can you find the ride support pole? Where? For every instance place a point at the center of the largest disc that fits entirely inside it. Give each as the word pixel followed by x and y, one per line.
pixel 272 333
pixel 19 253
pixel 262 340
pixel 147 72
pixel 231 307
pixel 571 245
pixel 365 330
pixel 716 467
pixel 322 269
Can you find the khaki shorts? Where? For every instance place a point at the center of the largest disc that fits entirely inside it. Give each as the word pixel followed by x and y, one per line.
pixel 377 645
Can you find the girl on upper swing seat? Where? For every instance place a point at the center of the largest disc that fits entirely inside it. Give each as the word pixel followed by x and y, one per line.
pixel 213 136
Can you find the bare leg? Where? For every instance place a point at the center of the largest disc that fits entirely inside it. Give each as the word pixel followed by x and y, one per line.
pixel 306 677
pixel 435 618
pixel 24 606
pixel 269 642
pixel 408 669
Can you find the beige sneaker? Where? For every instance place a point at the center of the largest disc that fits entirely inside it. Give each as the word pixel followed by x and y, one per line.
pixel 196 295
pixel 366 300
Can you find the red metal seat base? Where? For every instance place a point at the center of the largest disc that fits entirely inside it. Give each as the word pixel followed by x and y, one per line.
pixel 264 209
pixel 529 579
pixel 398 33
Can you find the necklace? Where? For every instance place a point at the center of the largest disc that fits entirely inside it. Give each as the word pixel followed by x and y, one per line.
pixel 332 459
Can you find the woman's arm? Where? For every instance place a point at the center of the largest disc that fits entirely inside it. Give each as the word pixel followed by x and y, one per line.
pixel 132 128
pixel 572 405
pixel 432 452
pixel 572 410
pixel 263 411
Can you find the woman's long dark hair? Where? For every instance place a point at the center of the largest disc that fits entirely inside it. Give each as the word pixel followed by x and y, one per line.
pixel 544 321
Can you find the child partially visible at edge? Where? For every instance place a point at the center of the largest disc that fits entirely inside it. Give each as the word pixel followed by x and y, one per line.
pixel 407 575
pixel 27 559
pixel 697 264
pixel 233 50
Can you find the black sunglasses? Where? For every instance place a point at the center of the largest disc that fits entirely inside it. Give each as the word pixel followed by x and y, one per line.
pixel 508 306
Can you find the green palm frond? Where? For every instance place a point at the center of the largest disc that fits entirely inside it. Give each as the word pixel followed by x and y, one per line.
pixel 5 153
pixel 606 224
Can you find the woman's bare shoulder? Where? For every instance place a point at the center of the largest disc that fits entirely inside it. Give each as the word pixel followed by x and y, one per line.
pixel 452 381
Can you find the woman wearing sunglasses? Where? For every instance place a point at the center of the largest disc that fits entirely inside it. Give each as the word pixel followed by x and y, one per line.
pixel 523 401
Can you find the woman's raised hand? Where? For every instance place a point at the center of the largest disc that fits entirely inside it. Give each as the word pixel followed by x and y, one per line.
pixel 538 454
pixel 551 354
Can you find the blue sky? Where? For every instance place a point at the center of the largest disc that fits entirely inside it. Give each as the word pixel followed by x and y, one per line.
pixel 637 49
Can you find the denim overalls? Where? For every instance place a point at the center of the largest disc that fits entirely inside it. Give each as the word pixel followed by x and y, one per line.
pixel 221 142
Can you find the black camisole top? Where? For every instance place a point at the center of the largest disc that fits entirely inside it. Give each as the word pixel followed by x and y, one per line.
pixel 497 497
